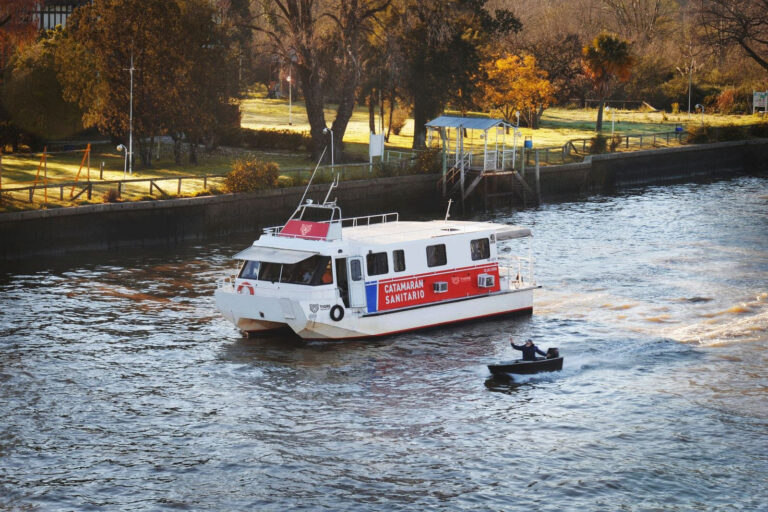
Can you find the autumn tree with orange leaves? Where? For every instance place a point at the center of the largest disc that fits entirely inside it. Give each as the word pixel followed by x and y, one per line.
pixel 16 29
pixel 515 83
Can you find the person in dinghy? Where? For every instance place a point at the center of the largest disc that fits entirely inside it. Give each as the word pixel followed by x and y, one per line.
pixel 528 349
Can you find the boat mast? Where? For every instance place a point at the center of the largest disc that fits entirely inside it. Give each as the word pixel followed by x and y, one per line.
pixel 301 201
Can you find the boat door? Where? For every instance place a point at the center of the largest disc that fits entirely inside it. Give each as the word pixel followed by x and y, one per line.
pixel 356 282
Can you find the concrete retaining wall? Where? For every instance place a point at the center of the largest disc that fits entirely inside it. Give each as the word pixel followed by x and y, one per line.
pixel 111 226
pixel 137 224
pixel 603 173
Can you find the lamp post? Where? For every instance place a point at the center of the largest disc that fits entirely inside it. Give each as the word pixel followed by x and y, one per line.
pixel 290 102
pixel 699 105
pixel 613 114
pixel 125 163
pixel 327 131
pixel 129 154
pixel 515 133
pixel 690 86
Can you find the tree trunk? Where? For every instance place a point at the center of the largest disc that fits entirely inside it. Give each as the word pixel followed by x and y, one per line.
pixel 391 115
pixel 539 113
pixel 145 150
pixel 420 118
pixel 313 101
pixel 193 150
pixel 371 113
pixel 177 139
pixel 345 110
pixel 599 125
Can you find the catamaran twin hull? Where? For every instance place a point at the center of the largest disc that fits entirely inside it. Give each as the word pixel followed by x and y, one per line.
pixel 372 276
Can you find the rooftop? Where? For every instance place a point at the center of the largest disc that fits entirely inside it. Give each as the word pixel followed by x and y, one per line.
pixel 395 232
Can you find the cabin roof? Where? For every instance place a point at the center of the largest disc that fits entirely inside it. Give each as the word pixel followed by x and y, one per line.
pixel 470 123
pixel 398 232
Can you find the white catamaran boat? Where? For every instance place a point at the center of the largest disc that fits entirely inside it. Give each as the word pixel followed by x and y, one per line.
pixel 326 277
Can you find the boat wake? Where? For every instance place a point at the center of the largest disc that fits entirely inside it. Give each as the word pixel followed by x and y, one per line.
pixel 744 322
pixel 698 319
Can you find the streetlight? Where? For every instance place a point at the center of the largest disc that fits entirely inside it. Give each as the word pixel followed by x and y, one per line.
pixel 290 102
pixel 699 105
pixel 125 164
pixel 613 114
pixel 515 133
pixel 129 154
pixel 327 131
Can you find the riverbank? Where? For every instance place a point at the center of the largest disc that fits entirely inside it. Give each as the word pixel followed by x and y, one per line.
pixel 137 224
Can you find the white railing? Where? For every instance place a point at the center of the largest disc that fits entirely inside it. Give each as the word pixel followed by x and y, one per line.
pixel 517 270
pixel 490 163
pixel 366 220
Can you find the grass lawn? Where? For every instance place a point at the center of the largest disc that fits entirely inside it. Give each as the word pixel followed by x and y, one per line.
pixel 558 126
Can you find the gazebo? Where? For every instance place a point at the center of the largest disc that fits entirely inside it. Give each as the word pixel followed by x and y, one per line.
pixel 471 144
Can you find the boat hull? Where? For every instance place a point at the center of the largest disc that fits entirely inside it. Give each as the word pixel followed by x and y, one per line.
pixel 314 320
pixel 521 367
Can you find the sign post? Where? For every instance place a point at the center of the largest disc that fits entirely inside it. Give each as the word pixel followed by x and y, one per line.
pixel 759 99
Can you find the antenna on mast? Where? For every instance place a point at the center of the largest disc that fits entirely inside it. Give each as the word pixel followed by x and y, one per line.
pixel 301 201
pixel 448 210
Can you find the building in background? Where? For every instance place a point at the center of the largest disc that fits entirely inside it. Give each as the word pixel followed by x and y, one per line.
pixel 50 13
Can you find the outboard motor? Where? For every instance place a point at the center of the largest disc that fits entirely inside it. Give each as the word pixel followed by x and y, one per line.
pixel 553 353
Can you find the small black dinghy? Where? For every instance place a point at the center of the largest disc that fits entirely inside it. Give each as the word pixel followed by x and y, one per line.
pixel 552 363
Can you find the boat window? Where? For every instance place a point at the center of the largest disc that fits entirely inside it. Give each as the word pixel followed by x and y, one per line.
pixel 398 260
pixel 436 255
pixel 377 263
pixel 250 270
pixel 270 271
pixel 314 271
pixel 480 248
pixel 356 270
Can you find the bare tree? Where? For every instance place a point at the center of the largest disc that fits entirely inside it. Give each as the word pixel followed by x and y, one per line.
pixel 743 23
pixel 642 20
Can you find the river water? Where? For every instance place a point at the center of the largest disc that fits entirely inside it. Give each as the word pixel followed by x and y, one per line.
pixel 121 388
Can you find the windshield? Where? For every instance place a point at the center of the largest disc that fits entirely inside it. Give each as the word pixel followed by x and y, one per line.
pixel 314 271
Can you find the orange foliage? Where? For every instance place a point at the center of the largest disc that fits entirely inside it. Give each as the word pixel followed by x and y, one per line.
pixel 515 83
pixel 17 26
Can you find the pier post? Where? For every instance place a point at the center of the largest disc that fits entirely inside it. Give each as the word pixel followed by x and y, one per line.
pixel 538 185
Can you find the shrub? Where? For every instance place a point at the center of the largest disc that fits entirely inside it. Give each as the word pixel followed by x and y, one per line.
pixel 730 132
pixel 386 170
pixel 111 196
pixel 284 181
pixel 700 134
pixel 616 142
pixel 266 139
pixel 250 175
pixel 726 100
pixel 427 162
pixel 675 108
pixel 598 144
